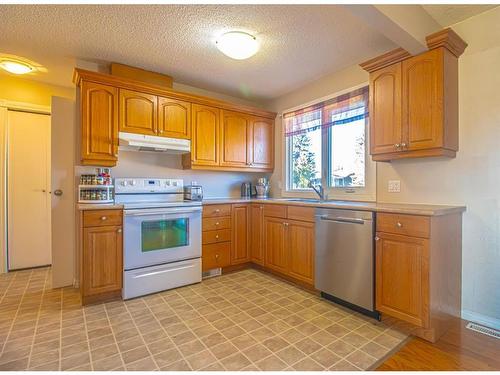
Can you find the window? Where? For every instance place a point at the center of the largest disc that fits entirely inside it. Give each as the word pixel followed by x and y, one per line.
pixel 326 144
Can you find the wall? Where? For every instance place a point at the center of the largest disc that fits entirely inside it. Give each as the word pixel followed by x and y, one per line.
pixel 28 91
pixel 471 179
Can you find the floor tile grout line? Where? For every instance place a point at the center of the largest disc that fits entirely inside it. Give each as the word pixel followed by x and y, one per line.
pixel 142 338
pixel 114 337
pixel 17 311
pixel 36 323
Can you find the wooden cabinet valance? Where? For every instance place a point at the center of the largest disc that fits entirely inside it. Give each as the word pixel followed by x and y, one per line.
pixel 224 136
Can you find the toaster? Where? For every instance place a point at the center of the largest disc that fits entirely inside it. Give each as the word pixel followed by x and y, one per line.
pixel 193 192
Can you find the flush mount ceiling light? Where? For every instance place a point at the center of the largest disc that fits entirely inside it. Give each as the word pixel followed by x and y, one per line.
pixel 15 67
pixel 237 45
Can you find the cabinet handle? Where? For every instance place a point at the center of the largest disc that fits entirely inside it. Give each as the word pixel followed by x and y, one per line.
pixel 377 238
pixel 285 224
pixel 216 256
pixel 217 223
pixel 261 207
pixel 119 230
pixel 397 145
pixel 161 131
pixel 217 211
pixel 104 218
pixel 216 236
pixel 403 145
pixel 399 224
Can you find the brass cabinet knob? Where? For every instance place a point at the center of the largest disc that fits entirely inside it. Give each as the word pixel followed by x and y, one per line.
pixel 403 144
pixel 217 211
pixel 216 236
pixel 397 145
pixel 119 230
pixel 217 223
pixel 104 218
pixel 399 224
pixel 377 238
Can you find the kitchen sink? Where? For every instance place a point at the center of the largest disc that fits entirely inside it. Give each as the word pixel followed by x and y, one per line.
pixel 305 200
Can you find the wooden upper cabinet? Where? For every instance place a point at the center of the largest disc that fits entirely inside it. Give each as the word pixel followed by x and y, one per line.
pixel 138 112
pixel 275 244
pixel 300 246
pixel 402 277
pixel 174 118
pixel 385 110
pixel 235 138
pixel 422 108
pixel 99 106
pixel 414 100
pixel 240 252
pixel 261 143
pixel 257 233
pixel 205 135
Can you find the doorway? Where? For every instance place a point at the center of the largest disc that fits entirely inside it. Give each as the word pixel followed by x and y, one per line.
pixel 28 190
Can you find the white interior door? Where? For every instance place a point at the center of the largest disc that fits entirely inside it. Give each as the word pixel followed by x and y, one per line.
pixel 63 191
pixel 28 181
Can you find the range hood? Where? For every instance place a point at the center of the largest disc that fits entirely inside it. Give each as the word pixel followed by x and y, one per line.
pixel 150 143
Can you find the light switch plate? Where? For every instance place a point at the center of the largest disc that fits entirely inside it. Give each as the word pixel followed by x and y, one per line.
pixel 394 186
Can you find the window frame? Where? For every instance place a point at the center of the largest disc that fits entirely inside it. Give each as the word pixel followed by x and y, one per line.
pixel 366 193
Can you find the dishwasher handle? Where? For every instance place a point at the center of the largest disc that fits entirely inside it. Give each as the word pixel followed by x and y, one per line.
pixel 342 219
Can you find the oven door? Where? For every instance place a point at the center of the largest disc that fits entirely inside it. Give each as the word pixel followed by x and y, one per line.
pixel 161 235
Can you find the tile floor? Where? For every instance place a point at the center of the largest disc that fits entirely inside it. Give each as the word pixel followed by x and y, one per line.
pixel 242 321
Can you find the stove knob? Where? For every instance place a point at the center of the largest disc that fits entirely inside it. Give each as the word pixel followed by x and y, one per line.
pixel 167 183
pixel 174 183
pixel 133 182
pixel 124 183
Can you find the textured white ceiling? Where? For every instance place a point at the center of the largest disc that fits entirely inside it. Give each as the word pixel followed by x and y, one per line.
pixel 448 14
pixel 298 43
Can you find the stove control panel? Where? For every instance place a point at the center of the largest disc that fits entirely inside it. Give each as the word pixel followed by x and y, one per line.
pixel 148 185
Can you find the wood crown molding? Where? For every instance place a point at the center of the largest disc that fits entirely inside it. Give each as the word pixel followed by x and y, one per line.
pixel 130 84
pixel 384 60
pixel 448 39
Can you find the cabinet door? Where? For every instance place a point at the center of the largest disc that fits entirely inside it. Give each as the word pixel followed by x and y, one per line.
pixel 99 106
pixel 174 118
pixel 275 244
pixel 402 269
pixel 102 259
pixel 205 135
pixel 257 233
pixel 138 112
pixel 234 139
pixel 385 110
pixel 300 247
pixel 423 101
pixel 240 252
pixel 261 143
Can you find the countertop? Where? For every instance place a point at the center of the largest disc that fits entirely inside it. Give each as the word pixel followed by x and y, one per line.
pixel 398 208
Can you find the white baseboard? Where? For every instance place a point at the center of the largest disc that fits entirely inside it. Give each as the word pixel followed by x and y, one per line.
pixel 487 321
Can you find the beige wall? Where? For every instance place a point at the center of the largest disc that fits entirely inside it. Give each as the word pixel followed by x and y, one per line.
pixel 471 179
pixel 28 91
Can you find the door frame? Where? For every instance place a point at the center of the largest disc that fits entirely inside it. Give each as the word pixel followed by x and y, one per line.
pixel 7 105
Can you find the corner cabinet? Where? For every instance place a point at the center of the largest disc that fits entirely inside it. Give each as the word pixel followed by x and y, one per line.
pixel 414 100
pixel 99 129
pixel 224 136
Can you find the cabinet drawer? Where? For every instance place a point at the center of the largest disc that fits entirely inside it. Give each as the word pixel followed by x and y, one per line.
pixel 216 255
pixel 301 213
pixel 216 223
pixel 408 225
pixel 275 210
pixel 102 217
pixel 217 210
pixel 216 236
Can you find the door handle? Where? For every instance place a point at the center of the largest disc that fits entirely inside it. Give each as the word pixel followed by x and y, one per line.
pixel 58 192
pixel 343 220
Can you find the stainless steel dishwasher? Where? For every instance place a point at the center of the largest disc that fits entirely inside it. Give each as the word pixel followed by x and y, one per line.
pixel 345 258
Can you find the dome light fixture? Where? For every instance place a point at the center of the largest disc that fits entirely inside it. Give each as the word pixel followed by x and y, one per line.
pixel 15 67
pixel 237 45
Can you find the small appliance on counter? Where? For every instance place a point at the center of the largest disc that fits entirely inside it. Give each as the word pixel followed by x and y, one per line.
pixel 246 190
pixel 96 188
pixel 193 192
pixel 262 188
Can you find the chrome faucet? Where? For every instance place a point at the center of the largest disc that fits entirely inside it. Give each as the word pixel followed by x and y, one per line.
pixel 319 190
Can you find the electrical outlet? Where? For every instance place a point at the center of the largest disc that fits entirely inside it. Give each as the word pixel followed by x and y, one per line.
pixel 394 186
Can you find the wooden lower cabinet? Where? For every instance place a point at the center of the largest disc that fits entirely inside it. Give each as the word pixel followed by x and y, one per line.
pixel 257 233
pixel 241 234
pixel 216 255
pixel 402 277
pixel 300 244
pixel 275 244
pixel 101 268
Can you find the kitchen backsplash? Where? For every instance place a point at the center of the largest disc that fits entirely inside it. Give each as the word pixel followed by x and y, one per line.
pixel 215 184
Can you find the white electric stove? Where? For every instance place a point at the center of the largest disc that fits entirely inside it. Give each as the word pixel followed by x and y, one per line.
pixel 161 234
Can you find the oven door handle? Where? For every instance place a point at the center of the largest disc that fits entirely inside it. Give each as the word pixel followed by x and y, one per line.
pixel 170 211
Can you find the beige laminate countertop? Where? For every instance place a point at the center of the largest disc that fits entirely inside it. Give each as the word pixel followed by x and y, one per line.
pixel 398 208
